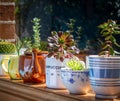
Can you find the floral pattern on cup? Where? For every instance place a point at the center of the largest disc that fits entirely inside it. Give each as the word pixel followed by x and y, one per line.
pixel 76 82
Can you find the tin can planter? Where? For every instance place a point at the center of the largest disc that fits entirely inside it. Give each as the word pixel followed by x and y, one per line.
pixel 53 73
pixel 76 81
pixel 104 76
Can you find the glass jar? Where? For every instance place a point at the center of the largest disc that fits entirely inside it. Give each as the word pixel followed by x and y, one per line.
pixel 13 68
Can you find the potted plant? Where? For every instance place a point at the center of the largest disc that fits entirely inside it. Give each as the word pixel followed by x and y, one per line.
pixel 75 76
pixel 10 63
pixel 105 69
pixel 32 63
pixel 7 49
pixel 60 45
pixel 76 31
pixel 13 64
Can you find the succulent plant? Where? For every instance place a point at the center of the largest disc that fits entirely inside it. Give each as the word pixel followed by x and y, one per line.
pixel 75 64
pixel 35 41
pixel 61 45
pixel 108 30
pixel 7 47
pixel 36 35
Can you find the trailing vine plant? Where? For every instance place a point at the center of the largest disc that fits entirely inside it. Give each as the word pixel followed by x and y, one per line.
pixel 108 31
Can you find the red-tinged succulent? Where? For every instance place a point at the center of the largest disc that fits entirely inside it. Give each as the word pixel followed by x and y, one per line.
pixel 61 45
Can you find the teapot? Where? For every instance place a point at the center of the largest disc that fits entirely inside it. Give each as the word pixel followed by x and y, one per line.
pixel 32 66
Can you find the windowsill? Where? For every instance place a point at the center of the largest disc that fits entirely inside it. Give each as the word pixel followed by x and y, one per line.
pixel 16 89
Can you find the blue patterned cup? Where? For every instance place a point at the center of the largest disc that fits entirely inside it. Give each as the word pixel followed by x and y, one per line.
pixel 104 75
pixel 77 82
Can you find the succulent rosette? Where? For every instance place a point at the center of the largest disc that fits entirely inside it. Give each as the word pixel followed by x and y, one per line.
pixel 61 45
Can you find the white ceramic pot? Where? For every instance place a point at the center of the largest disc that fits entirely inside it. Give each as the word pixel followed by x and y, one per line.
pixel 53 73
pixel 77 82
pixel 104 76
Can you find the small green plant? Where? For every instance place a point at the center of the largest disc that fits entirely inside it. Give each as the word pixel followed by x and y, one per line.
pixel 71 25
pixel 24 42
pixel 27 43
pixel 7 47
pixel 36 35
pixel 74 30
pixel 75 64
pixel 35 42
pixel 43 45
pixel 108 30
pixel 61 45
pixel 18 45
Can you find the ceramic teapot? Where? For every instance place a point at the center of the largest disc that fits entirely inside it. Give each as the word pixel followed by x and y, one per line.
pixel 32 67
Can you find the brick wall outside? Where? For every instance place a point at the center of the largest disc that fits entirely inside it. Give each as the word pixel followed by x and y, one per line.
pixel 7 12
pixel 7 0
pixel 7 31
pixel 7 19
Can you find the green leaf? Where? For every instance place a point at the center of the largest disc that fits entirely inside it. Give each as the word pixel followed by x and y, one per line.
pixel 102 26
pixel 117 32
pixel 105 46
pixel 111 51
pixel 107 38
pixel 102 53
pixel 117 53
pixel 53 33
pixel 114 41
pixel 116 44
pixel 105 33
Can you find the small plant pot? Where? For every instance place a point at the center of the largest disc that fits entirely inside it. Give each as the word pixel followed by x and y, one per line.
pixel 4 60
pixel 13 66
pixel 53 73
pixel 77 82
pixel 32 67
pixel 104 76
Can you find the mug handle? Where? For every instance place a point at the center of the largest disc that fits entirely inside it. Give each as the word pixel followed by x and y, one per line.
pixel 5 64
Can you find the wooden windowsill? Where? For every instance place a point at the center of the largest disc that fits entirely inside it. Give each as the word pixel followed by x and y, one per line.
pixel 11 90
